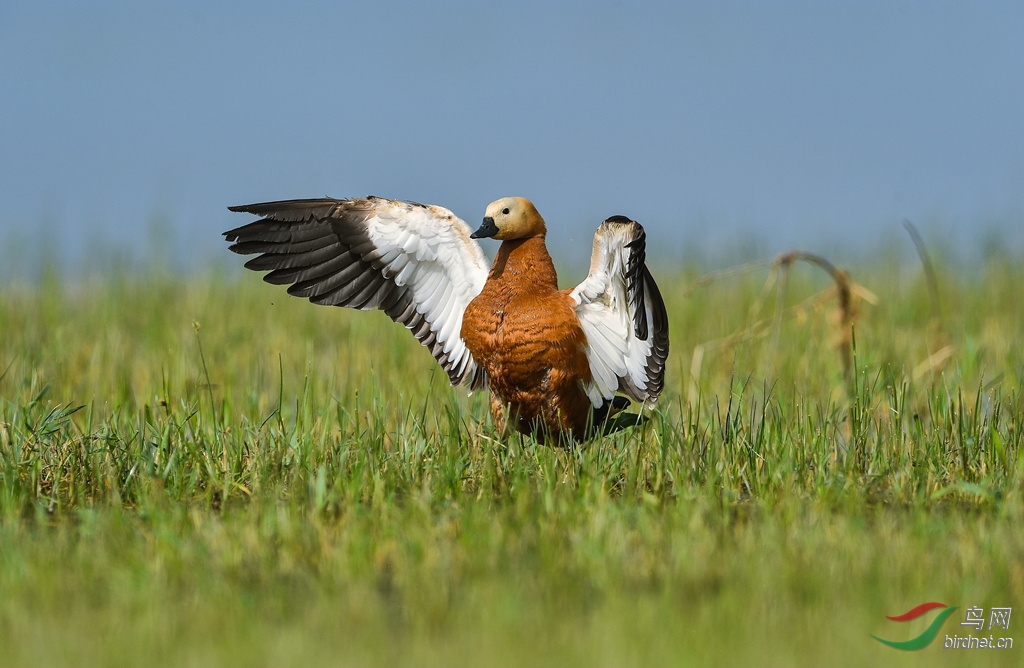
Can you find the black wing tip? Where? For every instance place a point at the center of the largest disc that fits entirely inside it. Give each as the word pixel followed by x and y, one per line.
pixel 234 237
pixel 262 208
pixel 234 234
pixel 659 338
pixel 240 235
pixel 636 276
pixel 619 219
pixel 288 203
pixel 289 210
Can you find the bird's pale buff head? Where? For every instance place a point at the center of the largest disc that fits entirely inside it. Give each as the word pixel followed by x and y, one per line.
pixel 511 218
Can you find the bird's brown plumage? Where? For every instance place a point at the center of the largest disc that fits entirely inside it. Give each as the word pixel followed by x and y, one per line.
pixel 525 333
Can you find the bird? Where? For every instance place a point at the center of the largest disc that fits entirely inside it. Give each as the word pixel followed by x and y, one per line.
pixel 554 360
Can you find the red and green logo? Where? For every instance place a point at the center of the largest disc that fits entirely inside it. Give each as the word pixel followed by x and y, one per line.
pixel 929 634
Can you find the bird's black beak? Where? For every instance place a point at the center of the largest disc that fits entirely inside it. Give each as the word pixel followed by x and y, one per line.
pixel 487 229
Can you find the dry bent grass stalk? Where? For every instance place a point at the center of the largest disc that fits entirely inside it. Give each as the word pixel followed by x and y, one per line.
pixel 847 293
pixel 940 341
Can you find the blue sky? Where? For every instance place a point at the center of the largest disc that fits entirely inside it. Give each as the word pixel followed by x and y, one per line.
pixel 792 124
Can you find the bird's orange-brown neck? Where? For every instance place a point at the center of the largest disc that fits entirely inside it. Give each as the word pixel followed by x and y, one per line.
pixel 524 263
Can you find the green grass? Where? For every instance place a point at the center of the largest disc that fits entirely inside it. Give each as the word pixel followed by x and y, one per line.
pixel 208 472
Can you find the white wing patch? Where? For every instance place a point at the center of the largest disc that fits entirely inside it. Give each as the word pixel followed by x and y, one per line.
pixel 623 316
pixel 417 263
pixel 434 257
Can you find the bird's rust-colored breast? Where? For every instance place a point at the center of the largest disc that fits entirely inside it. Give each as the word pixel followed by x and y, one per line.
pixel 526 335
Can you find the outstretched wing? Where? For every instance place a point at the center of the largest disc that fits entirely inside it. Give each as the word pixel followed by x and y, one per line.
pixel 623 315
pixel 414 262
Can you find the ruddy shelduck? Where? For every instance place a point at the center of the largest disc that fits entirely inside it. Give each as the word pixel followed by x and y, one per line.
pixel 553 359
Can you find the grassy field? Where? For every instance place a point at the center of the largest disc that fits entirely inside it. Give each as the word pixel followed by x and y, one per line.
pixel 204 471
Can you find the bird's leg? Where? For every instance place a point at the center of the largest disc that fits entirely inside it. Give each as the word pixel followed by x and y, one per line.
pixel 498 413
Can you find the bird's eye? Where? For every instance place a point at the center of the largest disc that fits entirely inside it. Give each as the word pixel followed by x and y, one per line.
pixel 505 211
